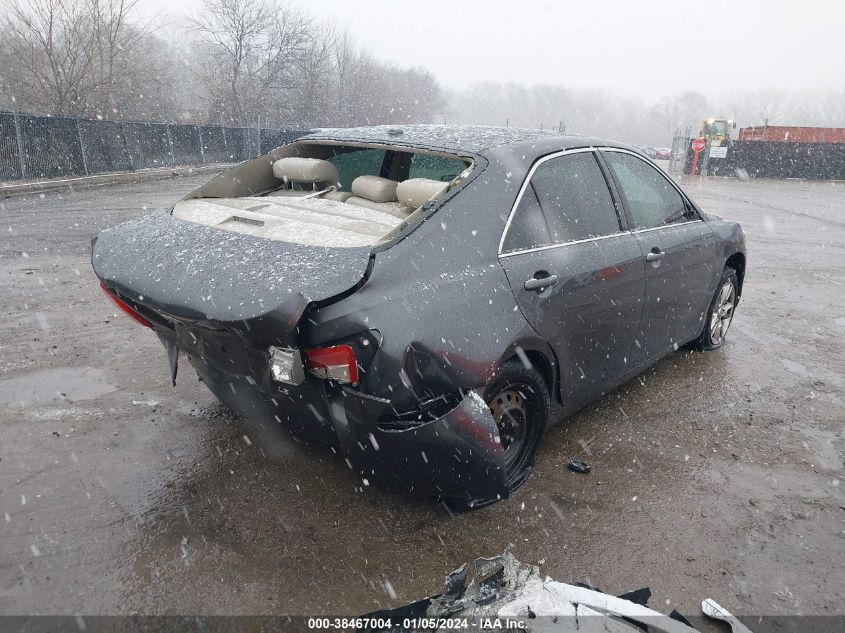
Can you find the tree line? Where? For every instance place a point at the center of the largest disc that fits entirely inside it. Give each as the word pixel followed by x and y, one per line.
pixel 610 115
pixel 237 62
pixel 263 62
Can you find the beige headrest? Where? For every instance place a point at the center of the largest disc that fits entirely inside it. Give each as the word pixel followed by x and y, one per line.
pixel 305 170
pixel 417 191
pixel 374 188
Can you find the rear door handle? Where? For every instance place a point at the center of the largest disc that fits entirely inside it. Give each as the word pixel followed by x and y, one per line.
pixel 655 255
pixel 538 283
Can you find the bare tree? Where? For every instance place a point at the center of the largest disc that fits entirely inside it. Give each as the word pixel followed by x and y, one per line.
pixel 826 108
pixel 667 113
pixel 47 50
pixel 72 56
pixel 249 51
pixel 115 40
pixel 759 107
pixel 312 97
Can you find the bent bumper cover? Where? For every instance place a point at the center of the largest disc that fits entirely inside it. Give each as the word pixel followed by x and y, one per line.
pixel 458 455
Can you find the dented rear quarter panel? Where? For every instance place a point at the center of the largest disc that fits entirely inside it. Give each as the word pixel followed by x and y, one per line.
pixel 439 299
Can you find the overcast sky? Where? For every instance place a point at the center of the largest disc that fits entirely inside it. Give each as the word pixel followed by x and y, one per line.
pixel 644 48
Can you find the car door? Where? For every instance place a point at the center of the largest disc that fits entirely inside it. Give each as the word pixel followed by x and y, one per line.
pixel 679 250
pixel 577 276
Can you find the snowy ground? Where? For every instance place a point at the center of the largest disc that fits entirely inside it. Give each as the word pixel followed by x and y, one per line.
pixel 713 475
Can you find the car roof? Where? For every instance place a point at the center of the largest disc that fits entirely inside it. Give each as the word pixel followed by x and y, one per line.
pixel 474 139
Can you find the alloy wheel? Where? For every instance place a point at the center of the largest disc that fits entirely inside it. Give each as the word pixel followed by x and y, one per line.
pixel 723 312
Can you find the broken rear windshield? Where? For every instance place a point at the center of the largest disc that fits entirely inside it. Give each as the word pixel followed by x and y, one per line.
pixel 324 194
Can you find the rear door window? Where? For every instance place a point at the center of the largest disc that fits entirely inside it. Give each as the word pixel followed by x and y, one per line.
pixel 651 199
pixel 529 227
pixel 567 200
pixel 575 198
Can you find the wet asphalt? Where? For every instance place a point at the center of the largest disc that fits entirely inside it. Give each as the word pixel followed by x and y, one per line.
pixel 713 475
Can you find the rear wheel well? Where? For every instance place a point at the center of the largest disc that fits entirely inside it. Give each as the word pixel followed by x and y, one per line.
pixel 543 365
pixel 737 262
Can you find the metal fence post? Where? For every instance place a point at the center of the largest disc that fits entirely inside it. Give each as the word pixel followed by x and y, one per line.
pixel 126 147
pixel 81 147
pixel 202 150
pixel 170 143
pixel 19 139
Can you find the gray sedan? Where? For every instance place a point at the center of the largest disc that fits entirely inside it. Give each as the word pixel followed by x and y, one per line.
pixel 418 296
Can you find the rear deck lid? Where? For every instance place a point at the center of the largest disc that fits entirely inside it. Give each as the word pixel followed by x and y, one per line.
pixel 312 221
pixel 191 272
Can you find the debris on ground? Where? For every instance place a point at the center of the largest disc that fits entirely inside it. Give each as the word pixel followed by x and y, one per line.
pixel 506 594
pixel 577 466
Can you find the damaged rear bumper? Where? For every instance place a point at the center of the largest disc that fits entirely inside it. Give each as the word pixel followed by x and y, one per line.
pixel 457 455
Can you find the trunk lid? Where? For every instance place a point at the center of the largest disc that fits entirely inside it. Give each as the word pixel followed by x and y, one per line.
pixel 204 276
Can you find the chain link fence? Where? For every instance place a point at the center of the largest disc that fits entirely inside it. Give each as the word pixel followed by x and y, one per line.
pixel 680 146
pixel 37 147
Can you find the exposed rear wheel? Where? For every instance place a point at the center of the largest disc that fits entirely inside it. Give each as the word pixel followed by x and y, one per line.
pixel 519 401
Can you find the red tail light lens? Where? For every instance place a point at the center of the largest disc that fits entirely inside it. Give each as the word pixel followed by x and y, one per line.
pixel 125 307
pixel 333 363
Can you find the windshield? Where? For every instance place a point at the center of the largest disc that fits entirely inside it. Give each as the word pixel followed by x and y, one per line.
pixel 717 128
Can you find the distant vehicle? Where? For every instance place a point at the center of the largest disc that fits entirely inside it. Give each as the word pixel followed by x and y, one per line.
pixel 648 151
pixel 717 131
pixel 418 295
pixel 662 153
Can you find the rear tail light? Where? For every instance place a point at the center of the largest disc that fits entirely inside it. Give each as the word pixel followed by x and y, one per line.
pixel 333 363
pixel 286 365
pixel 125 307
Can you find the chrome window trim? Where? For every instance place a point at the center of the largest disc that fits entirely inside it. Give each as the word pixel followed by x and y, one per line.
pixel 580 150
pixel 524 186
pixel 595 239
pixel 653 165
pixel 560 244
pixel 666 226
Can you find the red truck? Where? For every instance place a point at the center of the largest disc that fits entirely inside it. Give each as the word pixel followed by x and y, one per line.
pixel 788 134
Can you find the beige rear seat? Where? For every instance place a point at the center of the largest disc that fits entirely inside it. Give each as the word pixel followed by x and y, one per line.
pixel 311 174
pixel 374 192
pixel 415 192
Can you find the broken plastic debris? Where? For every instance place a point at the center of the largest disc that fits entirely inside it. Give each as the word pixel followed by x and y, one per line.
pixel 714 610
pixel 388 587
pixel 505 590
pixel 577 466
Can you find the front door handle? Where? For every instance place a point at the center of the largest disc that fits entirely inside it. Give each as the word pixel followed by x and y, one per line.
pixel 538 283
pixel 655 255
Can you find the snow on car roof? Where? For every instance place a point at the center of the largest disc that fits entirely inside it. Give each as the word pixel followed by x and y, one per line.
pixel 455 138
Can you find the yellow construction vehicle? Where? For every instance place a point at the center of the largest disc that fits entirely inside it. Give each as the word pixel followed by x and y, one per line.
pixel 717 131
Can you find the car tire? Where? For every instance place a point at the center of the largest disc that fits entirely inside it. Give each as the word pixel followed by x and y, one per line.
pixel 519 400
pixel 532 394
pixel 719 314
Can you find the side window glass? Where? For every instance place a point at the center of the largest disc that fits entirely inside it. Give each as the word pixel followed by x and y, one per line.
pixel 650 197
pixel 436 167
pixel 575 198
pixel 528 228
pixel 359 162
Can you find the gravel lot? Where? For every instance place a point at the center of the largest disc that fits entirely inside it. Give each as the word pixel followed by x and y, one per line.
pixel 714 475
